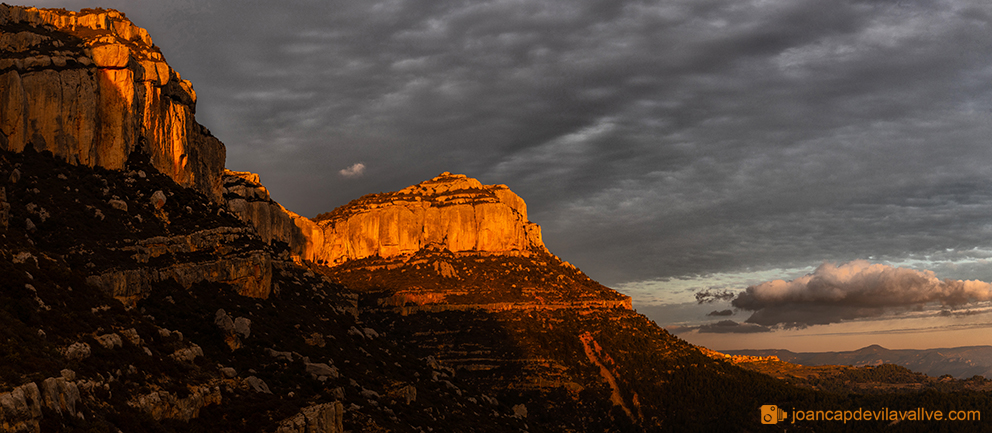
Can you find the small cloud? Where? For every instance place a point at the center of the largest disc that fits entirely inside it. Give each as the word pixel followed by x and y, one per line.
pixel 711 295
pixel 721 313
pixel 356 170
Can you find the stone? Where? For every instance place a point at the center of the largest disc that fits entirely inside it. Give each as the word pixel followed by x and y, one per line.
pixel 131 335
pixel 319 418
pixel 158 199
pixel 20 409
pixel 60 395
pixel 119 205
pixel 228 372
pixel 242 326
pixel 318 370
pixel 258 385
pixel 164 405
pixel 187 354
pixel 77 351
pixel 223 321
pixel 109 341
pixel 520 411
pixel 29 225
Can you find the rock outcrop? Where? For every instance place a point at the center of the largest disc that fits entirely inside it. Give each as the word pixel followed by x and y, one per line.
pixel 451 212
pixel 247 198
pixel 319 418
pixel 90 87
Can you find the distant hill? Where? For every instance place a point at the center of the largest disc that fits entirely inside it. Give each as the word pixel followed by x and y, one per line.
pixel 960 362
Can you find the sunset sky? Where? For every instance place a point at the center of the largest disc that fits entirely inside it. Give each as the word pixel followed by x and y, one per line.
pixel 667 149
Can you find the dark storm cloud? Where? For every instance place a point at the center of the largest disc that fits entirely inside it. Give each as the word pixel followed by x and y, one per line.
pixel 852 291
pixel 650 139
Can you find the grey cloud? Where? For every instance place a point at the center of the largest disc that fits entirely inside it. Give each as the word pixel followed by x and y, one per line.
pixel 851 291
pixel 732 327
pixel 650 140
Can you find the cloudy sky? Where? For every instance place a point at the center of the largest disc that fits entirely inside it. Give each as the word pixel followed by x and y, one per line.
pixel 667 148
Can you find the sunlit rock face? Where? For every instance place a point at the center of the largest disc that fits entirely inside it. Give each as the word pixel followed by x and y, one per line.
pixel 249 199
pixel 451 212
pixel 90 87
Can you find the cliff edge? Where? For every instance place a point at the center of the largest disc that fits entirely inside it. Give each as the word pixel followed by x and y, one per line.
pixel 91 88
pixel 450 212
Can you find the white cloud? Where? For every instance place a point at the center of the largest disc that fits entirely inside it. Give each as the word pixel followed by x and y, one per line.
pixel 356 170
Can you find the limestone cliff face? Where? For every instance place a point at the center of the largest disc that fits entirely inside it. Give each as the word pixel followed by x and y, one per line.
pixel 247 198
pixel 91 87
pixel 450 212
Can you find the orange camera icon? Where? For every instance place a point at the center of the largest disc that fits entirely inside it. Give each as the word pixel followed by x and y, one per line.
pixel 772 414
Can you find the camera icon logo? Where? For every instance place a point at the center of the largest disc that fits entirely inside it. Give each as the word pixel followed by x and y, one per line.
pixel 772 414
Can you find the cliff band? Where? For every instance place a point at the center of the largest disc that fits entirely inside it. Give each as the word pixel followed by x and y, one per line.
pixel 450 212
pixel 90 87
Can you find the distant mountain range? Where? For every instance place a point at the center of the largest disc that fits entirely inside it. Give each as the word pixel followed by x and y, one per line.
pixel 960 362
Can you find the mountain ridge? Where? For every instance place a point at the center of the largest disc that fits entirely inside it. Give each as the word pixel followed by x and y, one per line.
pixel 960 362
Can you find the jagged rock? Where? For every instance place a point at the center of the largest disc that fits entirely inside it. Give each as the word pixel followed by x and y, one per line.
pixel 109 341
pixel 158 199
pixel 450 211
pixel 223 321
pixel 242 326
pixel 282 356
pixel 29 225
pixel 520 411
pixel 229 372
pixel 20 409
pixel 60 395
pixel 108 93
pixel 248 199
pixel 164 405
pixel 257 384
pixel 131 335
pixel 187 354
pixel 320 418
pixel 77 351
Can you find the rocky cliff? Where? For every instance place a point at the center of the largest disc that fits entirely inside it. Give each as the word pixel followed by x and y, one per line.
pixel 451 212
pixel 90 87
pixel 246 197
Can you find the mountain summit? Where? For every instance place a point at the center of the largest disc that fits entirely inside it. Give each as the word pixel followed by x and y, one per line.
pixel 451 212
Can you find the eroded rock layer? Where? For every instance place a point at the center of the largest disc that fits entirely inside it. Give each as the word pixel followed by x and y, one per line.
pixel 450 212
pixel 90 87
